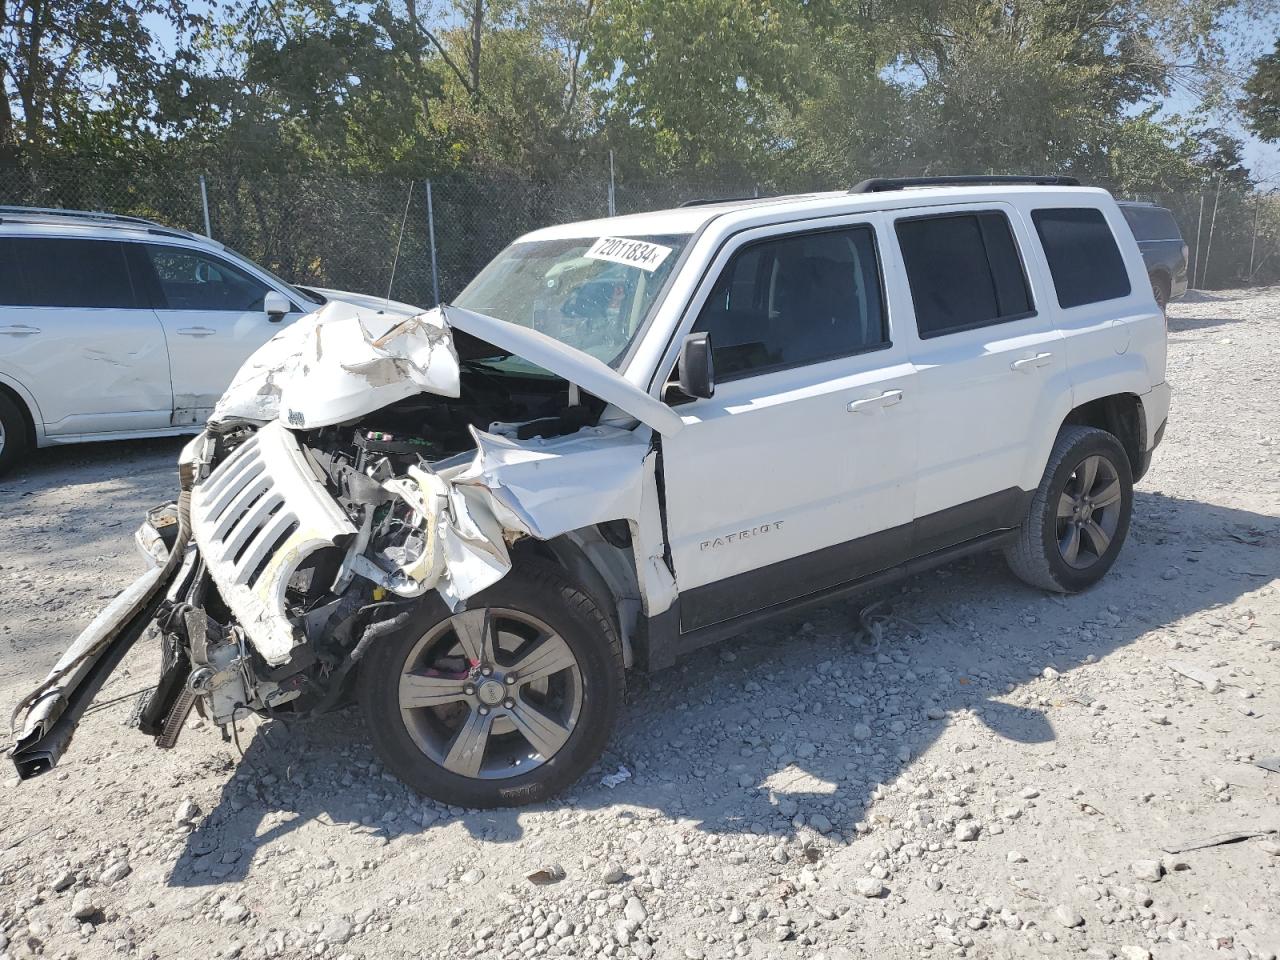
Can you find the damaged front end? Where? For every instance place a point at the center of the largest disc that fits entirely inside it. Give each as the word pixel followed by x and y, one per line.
pixel 356 463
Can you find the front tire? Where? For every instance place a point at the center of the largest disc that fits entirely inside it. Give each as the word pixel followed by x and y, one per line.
pixel 13 435
pixel 506 703
pixel 1079 516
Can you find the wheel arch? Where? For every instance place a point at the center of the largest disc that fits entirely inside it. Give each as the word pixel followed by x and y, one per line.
pixel 27 406
pixel 599 559
pixel 1123 416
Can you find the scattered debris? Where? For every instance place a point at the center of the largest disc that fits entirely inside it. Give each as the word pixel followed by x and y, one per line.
pixel 546 874
pixel 1217 840
pixel 1203 677
pixel 611 780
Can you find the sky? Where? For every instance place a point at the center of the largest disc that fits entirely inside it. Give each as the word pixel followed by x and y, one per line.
pixel 1247 34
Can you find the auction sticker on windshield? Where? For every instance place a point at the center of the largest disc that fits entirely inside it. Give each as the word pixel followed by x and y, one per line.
pixel 634 253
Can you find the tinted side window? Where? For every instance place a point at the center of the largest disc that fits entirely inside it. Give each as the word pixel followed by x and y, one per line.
pixel 1082 254
pixel 190 280
pixel 59 272
pixel 1151 223
pixel 13 286
pixel 964 271
pixel 796 300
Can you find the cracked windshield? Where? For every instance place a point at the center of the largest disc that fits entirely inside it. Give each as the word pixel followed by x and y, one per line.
pixel 591 293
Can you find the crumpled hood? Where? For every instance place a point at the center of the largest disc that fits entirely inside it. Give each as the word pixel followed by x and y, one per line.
pixel 346 360
pixel 339 363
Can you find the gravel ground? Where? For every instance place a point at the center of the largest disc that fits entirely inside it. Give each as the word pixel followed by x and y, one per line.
pixel 987 771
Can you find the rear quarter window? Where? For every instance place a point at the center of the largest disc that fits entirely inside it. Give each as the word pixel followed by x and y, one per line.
pixel 1083 256
pixel 1151 223
pixel 66 272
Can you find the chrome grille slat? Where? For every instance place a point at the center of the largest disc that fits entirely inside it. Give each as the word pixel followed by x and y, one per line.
pixel 262 498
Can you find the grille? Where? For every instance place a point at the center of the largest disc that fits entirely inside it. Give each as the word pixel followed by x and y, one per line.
pixel 256 519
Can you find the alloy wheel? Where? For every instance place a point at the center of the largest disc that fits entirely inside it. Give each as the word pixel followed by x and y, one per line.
pixel 1089 510
pixel 490 693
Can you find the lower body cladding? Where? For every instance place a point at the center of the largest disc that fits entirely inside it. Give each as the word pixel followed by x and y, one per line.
pixel 285 580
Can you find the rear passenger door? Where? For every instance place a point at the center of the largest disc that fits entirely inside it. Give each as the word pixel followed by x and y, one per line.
pixel 213 316
pixel 990 369
pixel 77 334
pixel 798 474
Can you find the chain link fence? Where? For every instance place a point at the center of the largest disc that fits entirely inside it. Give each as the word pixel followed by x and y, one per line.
pixel 422 241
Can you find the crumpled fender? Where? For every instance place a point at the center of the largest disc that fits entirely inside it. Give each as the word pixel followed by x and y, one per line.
pixel 540 488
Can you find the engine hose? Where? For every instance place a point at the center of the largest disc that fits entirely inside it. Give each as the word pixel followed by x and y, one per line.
pixel 371 633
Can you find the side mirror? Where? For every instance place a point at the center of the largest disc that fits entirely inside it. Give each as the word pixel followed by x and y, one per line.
pixel 697 371
pixel 276 305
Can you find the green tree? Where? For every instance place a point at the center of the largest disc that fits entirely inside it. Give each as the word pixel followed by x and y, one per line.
pixel 692 86
pixel 82 75
pixel 1261 103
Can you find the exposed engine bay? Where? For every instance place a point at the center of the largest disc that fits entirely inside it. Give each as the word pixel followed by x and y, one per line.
pixel 379 471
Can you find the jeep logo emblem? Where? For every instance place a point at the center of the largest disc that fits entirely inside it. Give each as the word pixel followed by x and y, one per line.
pixel 296 419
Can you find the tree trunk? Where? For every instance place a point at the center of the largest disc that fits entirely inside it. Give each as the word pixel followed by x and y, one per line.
pixel 473 58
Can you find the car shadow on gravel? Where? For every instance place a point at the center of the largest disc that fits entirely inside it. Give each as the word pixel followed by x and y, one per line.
pixel 802 718
pixel 1183 323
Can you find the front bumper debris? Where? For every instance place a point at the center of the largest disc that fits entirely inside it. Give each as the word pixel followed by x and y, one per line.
pixel 50 714
pixel 257 518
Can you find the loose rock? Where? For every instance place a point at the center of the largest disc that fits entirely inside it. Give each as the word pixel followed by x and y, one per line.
pixel 1149 870
pixel 869 887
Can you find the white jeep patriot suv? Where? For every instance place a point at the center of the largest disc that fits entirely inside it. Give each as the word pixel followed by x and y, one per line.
pixel 628 438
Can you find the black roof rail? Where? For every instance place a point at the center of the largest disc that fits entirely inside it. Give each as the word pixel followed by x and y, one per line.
pixel 703 201
pixel 882 184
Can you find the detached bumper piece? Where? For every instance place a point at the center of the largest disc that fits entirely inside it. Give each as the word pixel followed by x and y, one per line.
pixel 46 719
pixel 56 711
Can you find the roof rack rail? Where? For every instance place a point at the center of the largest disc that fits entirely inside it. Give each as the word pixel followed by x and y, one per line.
pixel 14 210
pixel 882 184
pixel 703 201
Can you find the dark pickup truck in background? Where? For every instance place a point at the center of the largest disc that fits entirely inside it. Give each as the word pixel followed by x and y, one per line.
pixel 1162 248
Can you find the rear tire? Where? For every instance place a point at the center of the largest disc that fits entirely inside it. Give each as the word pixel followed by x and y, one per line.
pixel 1160 289
pixel 551 673
pixel 13 434
pixel 1079 516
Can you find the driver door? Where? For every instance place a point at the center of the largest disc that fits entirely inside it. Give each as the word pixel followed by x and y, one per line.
pixel 798 474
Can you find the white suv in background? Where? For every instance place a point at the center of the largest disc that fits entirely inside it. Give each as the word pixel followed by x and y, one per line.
pixel 114 327
pixel 628 438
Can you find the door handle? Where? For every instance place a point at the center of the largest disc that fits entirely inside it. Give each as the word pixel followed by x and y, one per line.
pixel 1030 363
pixel 196 331
pixel 872 404
pixel 19 330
